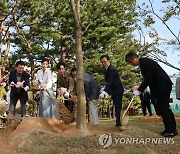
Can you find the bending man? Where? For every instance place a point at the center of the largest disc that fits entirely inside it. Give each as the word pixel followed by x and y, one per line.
pixel 160 86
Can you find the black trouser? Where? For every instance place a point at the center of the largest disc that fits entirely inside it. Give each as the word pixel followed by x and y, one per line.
pixel 117 101
pixel 13 102
pixel 161 105
pixel 144 106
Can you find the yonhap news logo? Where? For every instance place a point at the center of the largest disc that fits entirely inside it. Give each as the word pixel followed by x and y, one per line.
pixel 105 140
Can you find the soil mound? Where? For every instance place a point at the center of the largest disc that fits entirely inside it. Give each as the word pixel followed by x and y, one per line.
pixel 154 119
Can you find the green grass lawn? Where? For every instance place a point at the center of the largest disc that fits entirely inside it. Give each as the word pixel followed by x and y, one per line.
pixel 55 143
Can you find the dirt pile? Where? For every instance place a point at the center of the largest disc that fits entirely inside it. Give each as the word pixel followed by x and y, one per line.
pixel 20 131
pixel 51 125
pixel 154 119
pixel 43 133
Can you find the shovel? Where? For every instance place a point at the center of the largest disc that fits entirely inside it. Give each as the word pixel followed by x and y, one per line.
pixel 125 118
pixel 62 112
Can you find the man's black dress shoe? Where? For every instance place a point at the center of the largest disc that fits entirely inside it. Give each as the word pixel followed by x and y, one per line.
pixel 176 132
pixel 167 134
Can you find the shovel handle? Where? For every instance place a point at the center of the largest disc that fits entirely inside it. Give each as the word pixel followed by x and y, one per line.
pixel 49 95
pixel 128 107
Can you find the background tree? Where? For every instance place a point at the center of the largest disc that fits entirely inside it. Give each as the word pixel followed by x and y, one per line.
pixel 7 8
pixel 46 28
pixel 169 11
pixel 43 28
pixel 81 111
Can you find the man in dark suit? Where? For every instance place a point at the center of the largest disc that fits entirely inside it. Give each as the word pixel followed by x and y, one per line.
pixel 19 82
pixel 160 86
pixel 114 87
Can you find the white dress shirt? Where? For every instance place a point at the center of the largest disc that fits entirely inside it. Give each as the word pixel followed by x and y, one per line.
pixel 45 77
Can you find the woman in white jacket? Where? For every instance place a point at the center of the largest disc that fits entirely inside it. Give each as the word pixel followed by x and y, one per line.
pixel 47 106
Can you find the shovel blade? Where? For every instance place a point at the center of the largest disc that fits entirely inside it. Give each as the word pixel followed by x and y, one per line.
pixel 124 120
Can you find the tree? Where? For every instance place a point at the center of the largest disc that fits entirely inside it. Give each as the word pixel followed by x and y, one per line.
pixel 147 14
pixel 36 31
pixel 81 117
pixel 47 28
pixel 5 24
pixel 109 31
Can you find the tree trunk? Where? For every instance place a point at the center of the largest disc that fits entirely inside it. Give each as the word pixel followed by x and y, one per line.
pixel 4 34
pixel 81 107
pixel 1 44
pixel 1 41
pixel 32 69
pixel 81 111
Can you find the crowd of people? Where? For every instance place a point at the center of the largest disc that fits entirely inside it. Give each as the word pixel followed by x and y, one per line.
pixel 154 77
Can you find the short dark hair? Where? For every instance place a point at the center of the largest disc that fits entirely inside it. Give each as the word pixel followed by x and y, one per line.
pixel 59 64
pixel 20 63
pixel 105 56
pixel 73 69
pixel 130 56
pixel 45 59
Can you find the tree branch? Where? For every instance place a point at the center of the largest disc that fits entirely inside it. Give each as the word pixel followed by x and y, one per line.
pixel 85 3
pixel 162 60
pixel 163 22
pixel 22 35
pixel 76 17
pixel 14 6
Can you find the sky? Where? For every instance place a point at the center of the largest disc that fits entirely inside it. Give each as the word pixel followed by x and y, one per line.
pixel 172 55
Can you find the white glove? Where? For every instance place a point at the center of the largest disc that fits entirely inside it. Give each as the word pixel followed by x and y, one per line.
pixel 12 84
pixel 103 94
pixel 102 89
pixel 66 95
pixel 26 88
pixel 136 93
